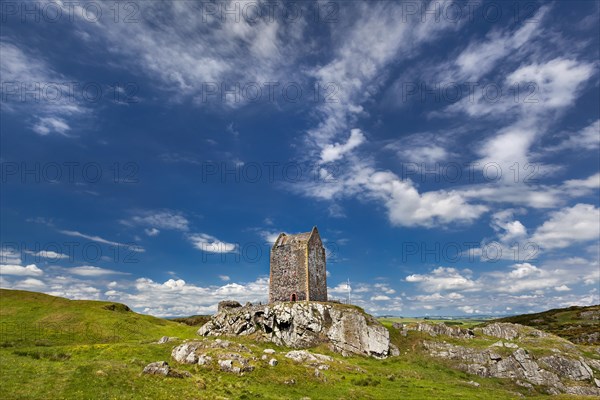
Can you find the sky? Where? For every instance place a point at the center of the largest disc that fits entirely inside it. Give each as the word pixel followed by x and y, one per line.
pixel 448 152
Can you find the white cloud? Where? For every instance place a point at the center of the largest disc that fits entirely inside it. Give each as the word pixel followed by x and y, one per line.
pixel 151 231
pixel 562 288
pixel 380 298
pixel 334 152
pixel 442 279
pixel 48 254
pixel 9 256
pixel 99 239
pixel 88 270
pixel 54 100
pixel 47 125
pixel 224 278
pixel 163 219
pixel 481 57
pixel 30 284
pixel 568 226
pixel 509 229
pixel 587 139
pixel 210 244
pixel 582 187
pixel 29 270
pixel 557 80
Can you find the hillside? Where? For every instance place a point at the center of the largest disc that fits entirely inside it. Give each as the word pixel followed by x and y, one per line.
pixel 37 318
pixel 577 324
pixel 54 348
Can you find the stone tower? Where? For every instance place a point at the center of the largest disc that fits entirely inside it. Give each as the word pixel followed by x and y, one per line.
pixel 298 268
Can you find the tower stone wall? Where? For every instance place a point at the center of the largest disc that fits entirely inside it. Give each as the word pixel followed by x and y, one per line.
pixel 298 268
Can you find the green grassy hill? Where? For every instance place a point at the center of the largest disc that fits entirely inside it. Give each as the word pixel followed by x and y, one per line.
pixel 577 324
pixel 40 319
pixel 54 348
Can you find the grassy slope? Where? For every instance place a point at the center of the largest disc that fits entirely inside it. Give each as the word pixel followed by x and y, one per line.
pixel 107 366
pixel 564 322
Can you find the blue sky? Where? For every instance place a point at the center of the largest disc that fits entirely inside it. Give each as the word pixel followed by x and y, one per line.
pixel 447 151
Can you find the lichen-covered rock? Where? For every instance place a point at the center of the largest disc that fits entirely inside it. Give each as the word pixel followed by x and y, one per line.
pixel 186 353
pixel 303 325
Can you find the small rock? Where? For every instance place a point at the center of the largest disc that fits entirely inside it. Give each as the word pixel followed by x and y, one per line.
pixel 597 382
pixel 157 368
pixel 269 351
pixel 290 382
pixel 226 365
pixel 166 339
pixel 101 373
pixel 305 356
pixel 394 352
pixel 204 360
pixel 473 383
pixel 323 367
pixel 264 357
pixel 273 362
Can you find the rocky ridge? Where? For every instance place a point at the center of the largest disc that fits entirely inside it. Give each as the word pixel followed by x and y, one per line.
pixel 564 371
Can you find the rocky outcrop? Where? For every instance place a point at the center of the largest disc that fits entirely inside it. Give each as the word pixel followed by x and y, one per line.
pixel 303 325
pixel 520 366
pixel 435 329
pixel 509 331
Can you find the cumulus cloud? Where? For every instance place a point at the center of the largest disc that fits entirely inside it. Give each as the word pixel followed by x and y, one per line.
pixel 568 226
pixel 28 270
pixel 507 226
pixel 442 279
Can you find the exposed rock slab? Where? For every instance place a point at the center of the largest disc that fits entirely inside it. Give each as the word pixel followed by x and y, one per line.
pixel 303 325
pixel 435 329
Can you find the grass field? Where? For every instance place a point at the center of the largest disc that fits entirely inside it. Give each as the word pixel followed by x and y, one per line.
pixel 53 348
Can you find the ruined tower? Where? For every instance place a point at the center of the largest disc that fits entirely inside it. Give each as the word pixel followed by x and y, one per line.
pixel 298 268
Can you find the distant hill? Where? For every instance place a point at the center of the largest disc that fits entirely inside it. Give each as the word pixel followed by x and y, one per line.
pixel 577 324
pixel 31 317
